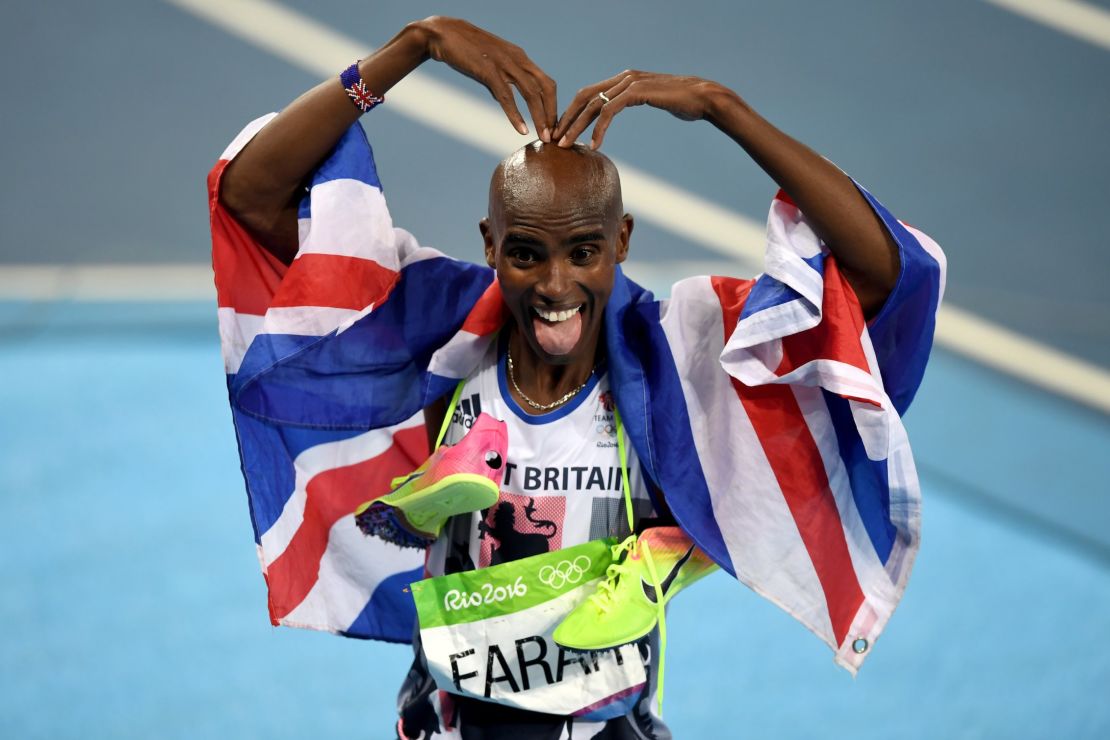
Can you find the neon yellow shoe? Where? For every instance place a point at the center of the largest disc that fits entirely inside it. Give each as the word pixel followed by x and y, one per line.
pixel 627 605
pixel 459 479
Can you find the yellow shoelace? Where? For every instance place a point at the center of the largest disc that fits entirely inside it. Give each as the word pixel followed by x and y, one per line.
pixel 629 546
pixel 604 596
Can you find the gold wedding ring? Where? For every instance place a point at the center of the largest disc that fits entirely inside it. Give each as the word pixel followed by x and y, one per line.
pixel 603 96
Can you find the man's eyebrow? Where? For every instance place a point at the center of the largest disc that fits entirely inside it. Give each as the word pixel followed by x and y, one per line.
pixel 514 237
pixel 589 236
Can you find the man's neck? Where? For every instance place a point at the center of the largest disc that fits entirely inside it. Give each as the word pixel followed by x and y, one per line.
pixel 543 382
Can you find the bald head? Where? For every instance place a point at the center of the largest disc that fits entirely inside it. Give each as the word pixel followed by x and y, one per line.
pixel 555 235
pixel 540 174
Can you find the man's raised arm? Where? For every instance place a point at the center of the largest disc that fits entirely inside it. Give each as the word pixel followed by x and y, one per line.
pixel 263 184
pixel 838 212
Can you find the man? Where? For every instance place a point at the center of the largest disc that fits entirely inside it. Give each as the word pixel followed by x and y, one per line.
pixel 762 416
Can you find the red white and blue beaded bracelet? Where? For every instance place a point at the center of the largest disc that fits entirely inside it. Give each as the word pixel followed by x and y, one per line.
pixel 357 90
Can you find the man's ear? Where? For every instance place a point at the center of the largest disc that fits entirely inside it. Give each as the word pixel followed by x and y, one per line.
pixel 487 237
pixel 624 238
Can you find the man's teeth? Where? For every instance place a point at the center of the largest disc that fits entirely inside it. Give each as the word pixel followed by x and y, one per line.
pixel 557 316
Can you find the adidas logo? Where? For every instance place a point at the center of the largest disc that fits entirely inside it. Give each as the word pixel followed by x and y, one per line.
pixel 467 411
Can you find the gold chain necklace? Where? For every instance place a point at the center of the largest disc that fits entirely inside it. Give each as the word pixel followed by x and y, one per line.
pixel 542 406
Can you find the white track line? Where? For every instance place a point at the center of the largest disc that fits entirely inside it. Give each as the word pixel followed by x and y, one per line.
pixel 999 348
pixel 1082 20
pixel 302 41
pixel 123 283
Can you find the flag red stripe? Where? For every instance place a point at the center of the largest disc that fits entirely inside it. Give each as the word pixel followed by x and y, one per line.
pixel 247 276
pixel 488 314
pixel 250 279
pixel 837 336
pixel 333 494
pixel 800 472
pixel 335 281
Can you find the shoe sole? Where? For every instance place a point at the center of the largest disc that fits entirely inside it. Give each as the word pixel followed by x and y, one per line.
pixel 468 492
pixel 380 521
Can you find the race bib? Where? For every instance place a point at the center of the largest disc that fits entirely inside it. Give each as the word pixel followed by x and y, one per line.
pixel 487 635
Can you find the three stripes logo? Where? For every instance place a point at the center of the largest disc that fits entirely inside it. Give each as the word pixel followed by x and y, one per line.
pixel 467 411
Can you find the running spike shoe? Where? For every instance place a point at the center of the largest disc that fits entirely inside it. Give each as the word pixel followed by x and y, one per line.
pixel 627 604
pixel 458 479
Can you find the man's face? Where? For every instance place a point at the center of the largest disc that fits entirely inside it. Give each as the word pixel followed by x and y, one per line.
pixel 555 244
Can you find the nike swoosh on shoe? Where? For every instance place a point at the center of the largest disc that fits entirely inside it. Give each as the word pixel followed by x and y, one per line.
pixel 408 479
pixel 649 590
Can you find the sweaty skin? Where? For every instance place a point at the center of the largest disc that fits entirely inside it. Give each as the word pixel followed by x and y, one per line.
pixel 555 233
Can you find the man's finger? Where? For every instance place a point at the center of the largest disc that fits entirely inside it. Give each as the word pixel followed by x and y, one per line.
pixel 548 94
pixel 503 94
pixel 612 108
pixel 581 100
pixel 619 99
pixel 569 115
pixel 591 108
pixel 533 97
pixel 589 112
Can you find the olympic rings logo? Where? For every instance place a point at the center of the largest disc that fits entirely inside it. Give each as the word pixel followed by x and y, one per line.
pixel 568 571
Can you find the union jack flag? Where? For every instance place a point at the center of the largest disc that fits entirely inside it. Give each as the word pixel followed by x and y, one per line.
pixel 767 410
pixel 362 97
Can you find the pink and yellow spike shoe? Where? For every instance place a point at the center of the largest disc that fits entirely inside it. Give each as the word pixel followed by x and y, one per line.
pixel 454 480
pixel 627 604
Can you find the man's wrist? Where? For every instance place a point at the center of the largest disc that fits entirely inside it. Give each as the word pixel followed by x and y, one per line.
pixel 387 66
pixel 417 36
pixel 722 104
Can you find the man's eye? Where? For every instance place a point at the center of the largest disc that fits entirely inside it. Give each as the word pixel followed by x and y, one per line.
pixel 520 254
pixel 582 254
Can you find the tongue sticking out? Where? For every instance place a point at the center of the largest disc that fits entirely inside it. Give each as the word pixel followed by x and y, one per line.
pixel 558 338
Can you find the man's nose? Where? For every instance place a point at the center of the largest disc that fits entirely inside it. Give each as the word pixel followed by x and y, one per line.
pixel 555 282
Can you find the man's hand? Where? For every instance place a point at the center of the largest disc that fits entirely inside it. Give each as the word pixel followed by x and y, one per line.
pixel 263 186
pixel 833 205
pixel 497 64
pixel 684 97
